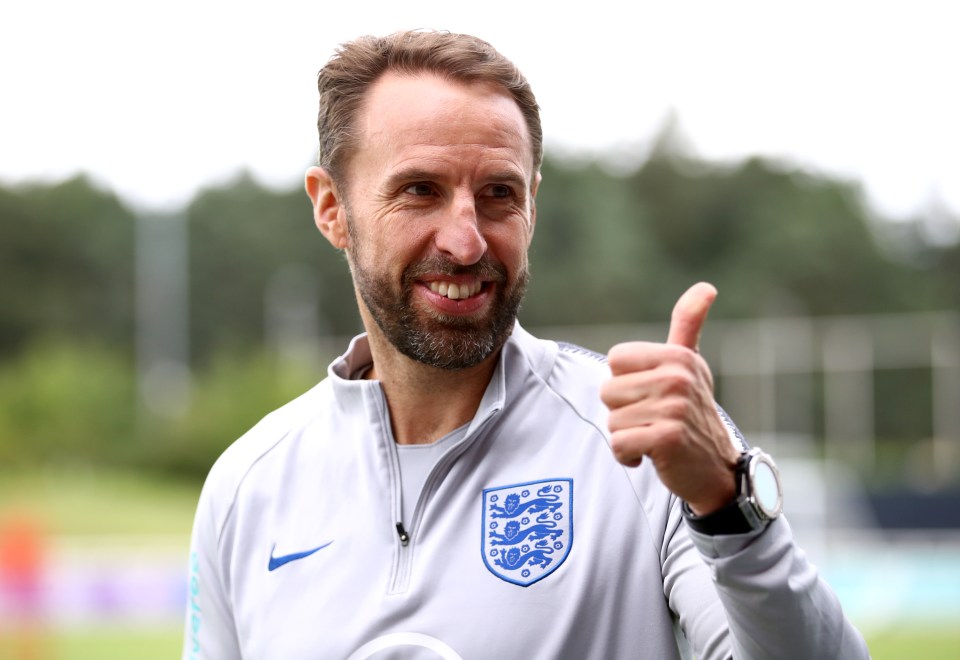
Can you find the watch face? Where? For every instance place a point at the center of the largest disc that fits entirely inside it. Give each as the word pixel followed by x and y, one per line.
pixel 766 488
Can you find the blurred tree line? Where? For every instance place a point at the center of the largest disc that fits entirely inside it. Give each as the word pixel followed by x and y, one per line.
pixel 609 248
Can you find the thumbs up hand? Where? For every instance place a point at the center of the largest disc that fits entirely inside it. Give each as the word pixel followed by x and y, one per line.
pixel 661 405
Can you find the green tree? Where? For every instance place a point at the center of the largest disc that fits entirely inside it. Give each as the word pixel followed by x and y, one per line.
pixel 66 261
pixel 774 241
pixel 241 236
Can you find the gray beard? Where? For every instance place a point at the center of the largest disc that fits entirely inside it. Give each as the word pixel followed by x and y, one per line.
pixel 440 340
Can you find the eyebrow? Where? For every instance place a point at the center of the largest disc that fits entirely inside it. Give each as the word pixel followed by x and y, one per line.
pixel 410 175
pixel 510 176
pixel 415 174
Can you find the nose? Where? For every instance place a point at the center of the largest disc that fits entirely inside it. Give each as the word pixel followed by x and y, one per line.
pixel 459 234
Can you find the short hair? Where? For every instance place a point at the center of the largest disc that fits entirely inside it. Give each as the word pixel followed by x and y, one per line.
pixel 343 83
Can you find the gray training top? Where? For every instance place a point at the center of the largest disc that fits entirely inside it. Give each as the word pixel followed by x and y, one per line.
pixel 528 539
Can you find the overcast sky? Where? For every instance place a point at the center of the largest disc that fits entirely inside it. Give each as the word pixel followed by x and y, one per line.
pixel 156 99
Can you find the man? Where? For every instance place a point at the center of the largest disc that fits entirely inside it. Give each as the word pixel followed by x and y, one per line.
pixel 456 488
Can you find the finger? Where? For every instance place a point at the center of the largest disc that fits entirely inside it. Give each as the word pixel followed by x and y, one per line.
pixel 632 356
pixel 689 315
pixel 649 412
pixel 630 445
pixel 654 382
pixel 625 389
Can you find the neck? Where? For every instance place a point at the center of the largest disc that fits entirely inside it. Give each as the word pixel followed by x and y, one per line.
pixel 426 403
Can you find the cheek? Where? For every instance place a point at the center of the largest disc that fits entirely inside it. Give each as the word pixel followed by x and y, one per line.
pixel 509 245
pixel 389 253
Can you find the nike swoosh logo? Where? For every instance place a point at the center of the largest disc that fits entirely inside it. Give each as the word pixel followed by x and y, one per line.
pixel 277 562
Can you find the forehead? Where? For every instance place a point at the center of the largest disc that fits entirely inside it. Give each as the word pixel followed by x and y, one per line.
pixel 404 112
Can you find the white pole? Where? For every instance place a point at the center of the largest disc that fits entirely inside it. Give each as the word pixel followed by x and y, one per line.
pixel 162 317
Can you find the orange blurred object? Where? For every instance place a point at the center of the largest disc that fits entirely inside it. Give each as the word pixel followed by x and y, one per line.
pixel 22 566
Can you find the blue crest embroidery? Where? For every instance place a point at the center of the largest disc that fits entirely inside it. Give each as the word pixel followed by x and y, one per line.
pixel 527 529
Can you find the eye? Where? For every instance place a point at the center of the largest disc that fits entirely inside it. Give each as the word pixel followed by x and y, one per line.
pixel 500 191
pixel 419 189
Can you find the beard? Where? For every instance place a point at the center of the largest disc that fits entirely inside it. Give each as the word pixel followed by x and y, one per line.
pixel 439 340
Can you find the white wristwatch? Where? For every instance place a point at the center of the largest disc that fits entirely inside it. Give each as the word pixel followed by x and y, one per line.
pixel 759 498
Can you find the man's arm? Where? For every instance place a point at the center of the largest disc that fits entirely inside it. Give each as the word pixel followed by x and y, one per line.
pixel 209 631
pixel 777 605
pixel 662 409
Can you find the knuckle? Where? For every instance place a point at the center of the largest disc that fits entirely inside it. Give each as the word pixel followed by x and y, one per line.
pixel 622 420
pixel 608 392
pixel 686 358
pixel 681 382
pixel 623 449
pixel 679 353
pixel 675 408
pixel 614 422
pixel 672 433
pixel 623 390
pixel 617 355
pixel 623 357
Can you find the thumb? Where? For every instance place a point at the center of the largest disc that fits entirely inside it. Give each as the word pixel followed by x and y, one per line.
pixel 689 315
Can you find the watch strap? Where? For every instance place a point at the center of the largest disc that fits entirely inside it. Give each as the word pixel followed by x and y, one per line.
pixel 729 519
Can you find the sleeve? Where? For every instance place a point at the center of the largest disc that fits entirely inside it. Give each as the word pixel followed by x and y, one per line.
pixel 691 594
pixel 774 601
pixel 209 631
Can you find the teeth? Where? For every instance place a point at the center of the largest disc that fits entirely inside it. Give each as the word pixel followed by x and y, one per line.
pixel 455 291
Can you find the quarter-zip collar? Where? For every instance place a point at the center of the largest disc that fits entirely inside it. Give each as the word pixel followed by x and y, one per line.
pixel 351 392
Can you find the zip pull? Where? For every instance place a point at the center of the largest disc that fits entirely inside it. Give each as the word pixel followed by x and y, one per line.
pixel 404 537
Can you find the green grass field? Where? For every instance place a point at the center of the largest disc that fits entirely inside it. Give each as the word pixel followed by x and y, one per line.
pixel 83 505
pixel 86 501
pixel 90 503
pixel 108 644
pixel 903 643
pixel 97 644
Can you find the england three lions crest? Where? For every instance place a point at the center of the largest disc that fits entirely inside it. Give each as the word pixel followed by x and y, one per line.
pixel 527 529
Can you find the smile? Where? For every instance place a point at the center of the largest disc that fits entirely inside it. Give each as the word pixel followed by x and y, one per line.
pixel 455 291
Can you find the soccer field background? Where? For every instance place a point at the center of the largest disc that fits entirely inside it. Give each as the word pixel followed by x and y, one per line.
pixel 117 548
pixel 897 643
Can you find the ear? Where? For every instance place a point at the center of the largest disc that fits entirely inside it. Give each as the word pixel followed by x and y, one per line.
pixel 534 187
pixel 329 212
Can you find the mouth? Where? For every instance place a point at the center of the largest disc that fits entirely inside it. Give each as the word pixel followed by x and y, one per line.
pixel 459 296
pixel 455 290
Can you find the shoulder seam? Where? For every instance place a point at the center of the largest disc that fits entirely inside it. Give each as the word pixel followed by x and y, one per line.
pixel 259 456
pixel 574 349
pixel 241 479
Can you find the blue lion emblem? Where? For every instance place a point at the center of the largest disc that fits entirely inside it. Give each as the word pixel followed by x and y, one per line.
pixel 527 529
pixel 512 507
pixel 513 533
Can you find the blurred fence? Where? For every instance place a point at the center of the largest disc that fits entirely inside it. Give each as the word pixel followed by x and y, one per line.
pixel 809 391
pixel 809 386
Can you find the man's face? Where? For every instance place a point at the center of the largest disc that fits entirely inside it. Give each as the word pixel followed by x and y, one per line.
pixel 439 207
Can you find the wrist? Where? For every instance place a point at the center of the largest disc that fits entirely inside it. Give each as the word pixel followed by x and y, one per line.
pixel 718 500
pixel 758 499
pixel 724 491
